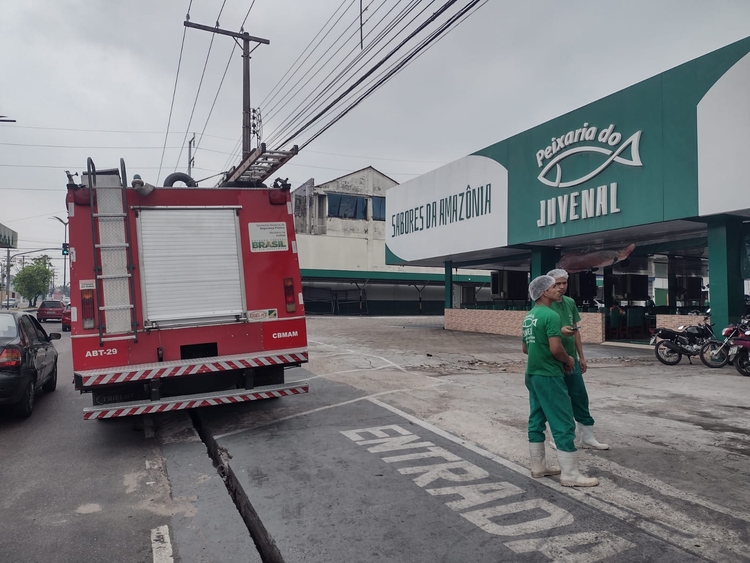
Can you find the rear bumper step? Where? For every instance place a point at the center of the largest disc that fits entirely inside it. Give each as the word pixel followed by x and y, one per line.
pixel 135 408
pixel 125 374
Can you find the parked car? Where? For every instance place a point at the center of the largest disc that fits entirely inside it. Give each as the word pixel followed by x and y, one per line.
pixel 65 319
pixel 50 311
pixel 9 303
pixel 28 361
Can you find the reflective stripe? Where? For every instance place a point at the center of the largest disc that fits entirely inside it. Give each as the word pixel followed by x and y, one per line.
pixel 138 375
pixel 180 404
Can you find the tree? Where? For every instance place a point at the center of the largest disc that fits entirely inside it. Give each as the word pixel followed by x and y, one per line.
pixel 33 280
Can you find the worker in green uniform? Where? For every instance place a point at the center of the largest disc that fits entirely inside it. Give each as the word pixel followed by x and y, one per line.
pixel 571 339
pixel 548 395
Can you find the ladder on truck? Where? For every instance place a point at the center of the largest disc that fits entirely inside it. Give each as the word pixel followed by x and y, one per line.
pixel 260 164
pixel 113 257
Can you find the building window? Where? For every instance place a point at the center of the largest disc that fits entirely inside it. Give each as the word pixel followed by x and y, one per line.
pixel 347 206
pixel 378 208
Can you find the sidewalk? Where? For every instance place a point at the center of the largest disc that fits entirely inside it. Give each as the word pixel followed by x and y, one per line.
pixel 423 342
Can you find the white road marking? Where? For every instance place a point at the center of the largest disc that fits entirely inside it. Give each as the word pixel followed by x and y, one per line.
pixel 713 538
pixel 161 545
pixel 338 373
pixel 393 437
pixel 325 408
pixel 321 343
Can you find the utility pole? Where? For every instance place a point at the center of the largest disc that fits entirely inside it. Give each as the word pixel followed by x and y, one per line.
pixel 191 144
pixel 246 110
pixel 7 280
pixel 65 257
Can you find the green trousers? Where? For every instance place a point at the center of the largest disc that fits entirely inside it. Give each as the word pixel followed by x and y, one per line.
pixel 549 402
pixel 578 396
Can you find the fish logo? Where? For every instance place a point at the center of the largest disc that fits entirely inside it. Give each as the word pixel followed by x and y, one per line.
pixel 529 322
pixel 612 156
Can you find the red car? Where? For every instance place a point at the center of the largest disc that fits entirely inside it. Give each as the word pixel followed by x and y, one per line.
pixel 50 311
pixel 66 319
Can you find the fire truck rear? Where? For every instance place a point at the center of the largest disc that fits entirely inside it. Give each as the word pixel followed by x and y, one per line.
pixel 182 297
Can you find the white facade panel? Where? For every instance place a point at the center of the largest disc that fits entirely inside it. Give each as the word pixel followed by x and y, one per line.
pixel 190 264
pixel 724 142
pixel 461 207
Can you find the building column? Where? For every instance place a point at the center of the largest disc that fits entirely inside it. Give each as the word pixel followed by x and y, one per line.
pixel 543 259
pixel 609 298
pixel 448 284
pixel 725 279
pixel 672 285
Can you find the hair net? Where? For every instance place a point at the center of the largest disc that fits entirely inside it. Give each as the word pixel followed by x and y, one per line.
pixel 560 273
pixel 540 285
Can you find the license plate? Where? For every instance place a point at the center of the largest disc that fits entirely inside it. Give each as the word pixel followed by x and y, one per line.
pixel 733 350
pixel 653 339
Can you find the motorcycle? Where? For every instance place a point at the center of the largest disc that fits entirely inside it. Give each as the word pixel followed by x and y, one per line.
pixel 739 353
pixel 686 341
pixel 715 353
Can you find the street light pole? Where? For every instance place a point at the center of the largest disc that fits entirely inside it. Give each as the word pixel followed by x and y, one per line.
pixel 65 257
pixel 7 281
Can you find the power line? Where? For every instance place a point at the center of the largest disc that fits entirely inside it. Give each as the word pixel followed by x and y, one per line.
pixel 403 62
pixel 195 102
pixel 174 92
pixel 271 94
pixel 32 217
pixel 69 167
pixel 97 147
pixel 364 157
pixel 242 27
pixel 367 74
pixel 349 169
pixel 216 97
pixel 126 131
pixel 319 99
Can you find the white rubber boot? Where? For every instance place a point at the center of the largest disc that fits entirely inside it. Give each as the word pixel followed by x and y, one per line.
pixel 570 476
pixel 539 467
pixel 551 438
pixel 588 440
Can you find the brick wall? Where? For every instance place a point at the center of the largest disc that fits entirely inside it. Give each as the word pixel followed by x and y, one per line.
pixel 508 323
pixel 676 321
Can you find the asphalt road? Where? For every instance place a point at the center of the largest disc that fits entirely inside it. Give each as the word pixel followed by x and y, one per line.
pixel 77 491
pixel 410 447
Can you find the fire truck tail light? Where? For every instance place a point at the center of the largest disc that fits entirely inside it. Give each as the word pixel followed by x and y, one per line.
pixel 291 306
pixel 277 197
pixel 87 308
pixel 10 358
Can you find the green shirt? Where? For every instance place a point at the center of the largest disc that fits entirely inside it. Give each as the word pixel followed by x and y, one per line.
pixel 539 325
pixel 569 316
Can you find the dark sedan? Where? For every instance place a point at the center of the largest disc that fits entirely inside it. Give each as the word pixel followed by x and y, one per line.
pixel 28 361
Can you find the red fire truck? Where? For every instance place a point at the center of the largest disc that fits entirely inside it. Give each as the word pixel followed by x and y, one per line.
pixel 183 296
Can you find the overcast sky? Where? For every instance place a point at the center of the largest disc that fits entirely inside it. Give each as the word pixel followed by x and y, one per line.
pixel 72 69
